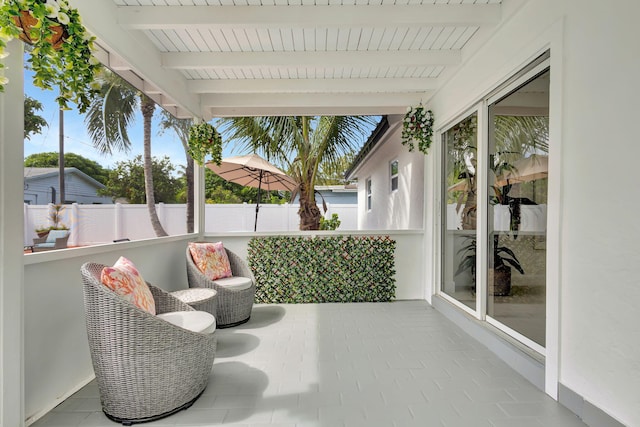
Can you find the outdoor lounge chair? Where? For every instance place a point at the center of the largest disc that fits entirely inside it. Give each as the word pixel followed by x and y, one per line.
pixel 56 239
pixel 146 368
pixel 233 306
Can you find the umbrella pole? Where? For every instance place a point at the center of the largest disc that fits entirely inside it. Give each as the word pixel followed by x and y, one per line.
pixel 255 224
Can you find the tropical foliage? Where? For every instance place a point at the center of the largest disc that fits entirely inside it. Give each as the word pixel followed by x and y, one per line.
pixel 330 224
pixel 33 123
pixel 126 181
pixel 55 220
pixel 69 64
pixel 71 160
pixel 323 269
pixel 219 191
pixel 204 140
pixel 299 145
pixel 181 128
pixel 417 126
pixel 111 113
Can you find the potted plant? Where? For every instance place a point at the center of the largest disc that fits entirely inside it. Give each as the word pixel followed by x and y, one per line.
pixel 503 259
pixel 61 53
pixel 55 218
pixel 417 126
pixel 205 140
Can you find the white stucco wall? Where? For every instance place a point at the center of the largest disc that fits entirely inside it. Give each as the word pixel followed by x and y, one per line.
pixel 397 210
pixel 57 361
pixel 593 257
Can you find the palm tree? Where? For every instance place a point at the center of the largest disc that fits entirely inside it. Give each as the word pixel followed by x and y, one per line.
pixel 301 144
pixel 181 128
pixel 109 116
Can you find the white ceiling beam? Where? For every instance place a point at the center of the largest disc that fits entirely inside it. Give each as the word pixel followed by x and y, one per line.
pixel 320 100
pixel 340 110
pixel 209 17
pixel 213 60
pixel 312 85
pixel 99 18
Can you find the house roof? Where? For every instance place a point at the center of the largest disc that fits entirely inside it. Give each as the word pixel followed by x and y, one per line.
pixel 32 173
pixel 208 58
pixel 347 188
pixel 371 143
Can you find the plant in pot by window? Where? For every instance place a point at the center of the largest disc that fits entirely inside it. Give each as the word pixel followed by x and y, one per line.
pixel 55 218
pixel 61 48
pixel 503 259
pixel 205 140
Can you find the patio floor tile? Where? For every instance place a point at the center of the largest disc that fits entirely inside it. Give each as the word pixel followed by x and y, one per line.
pixel 398 364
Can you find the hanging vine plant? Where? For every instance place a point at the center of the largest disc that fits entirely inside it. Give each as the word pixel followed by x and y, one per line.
pixel 205 140
pixel 61 53
pixel 417 127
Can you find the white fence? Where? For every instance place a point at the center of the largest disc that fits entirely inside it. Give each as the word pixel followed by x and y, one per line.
pixel 93 224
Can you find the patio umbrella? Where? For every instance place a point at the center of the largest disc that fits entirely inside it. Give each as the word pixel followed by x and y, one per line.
pixel 524 170
pixel 253 171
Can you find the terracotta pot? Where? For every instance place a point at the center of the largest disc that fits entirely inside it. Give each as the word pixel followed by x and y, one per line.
pixel 26 21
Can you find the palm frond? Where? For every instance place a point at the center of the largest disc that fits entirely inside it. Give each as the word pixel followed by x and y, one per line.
pixel 110 114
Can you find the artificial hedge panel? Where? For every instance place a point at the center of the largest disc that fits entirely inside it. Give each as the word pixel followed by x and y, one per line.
pixel 323 269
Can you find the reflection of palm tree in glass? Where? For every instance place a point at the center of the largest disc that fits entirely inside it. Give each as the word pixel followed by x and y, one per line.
pixel 461 141
pixel 517 138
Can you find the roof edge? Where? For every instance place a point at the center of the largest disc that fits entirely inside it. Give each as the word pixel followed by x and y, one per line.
pixel 374 139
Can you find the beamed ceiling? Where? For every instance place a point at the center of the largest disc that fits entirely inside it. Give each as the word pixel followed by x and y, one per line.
pixel 210 58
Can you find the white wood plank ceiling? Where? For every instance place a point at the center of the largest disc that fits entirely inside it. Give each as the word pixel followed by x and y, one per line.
pixel 252 57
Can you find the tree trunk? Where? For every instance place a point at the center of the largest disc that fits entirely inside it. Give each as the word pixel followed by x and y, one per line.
pixel 147 106
pixel 190 194
pixel 309 212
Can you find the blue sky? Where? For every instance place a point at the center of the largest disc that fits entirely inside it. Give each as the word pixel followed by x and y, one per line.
pixel 77 139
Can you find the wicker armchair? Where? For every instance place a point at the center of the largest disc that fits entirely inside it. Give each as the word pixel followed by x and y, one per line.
pixel 233 307
pixel 146 368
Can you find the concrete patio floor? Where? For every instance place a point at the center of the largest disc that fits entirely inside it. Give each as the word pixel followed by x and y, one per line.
pixel 383 364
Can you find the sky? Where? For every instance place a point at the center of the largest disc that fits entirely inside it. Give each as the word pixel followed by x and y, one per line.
pixel 77 139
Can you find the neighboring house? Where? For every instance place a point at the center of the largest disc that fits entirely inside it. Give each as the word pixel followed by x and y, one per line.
pixel 42 186
pixel 336 194
pixel 390 180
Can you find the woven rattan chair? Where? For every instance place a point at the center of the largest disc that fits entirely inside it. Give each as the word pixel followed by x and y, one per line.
pixel 233 307
pixel 146 368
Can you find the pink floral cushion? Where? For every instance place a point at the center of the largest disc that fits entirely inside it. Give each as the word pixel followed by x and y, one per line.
pixel 125 280
pixel 211 259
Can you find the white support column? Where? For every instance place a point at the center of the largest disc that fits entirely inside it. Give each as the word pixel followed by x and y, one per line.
pixel 11 237
pixel 26 223
pixel 198 200
pixel 74 224
pixel 118 222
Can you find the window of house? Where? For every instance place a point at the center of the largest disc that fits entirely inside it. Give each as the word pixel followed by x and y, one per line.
pixel 393 172
pixel 368 189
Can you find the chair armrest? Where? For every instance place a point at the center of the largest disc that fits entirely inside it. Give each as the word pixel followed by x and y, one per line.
pixel 38 240
pixel 165 302
pixel 239 267
pixel 61 242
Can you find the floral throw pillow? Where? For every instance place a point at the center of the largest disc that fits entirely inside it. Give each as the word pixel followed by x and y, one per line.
pixel 211 259
pixel 125 280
